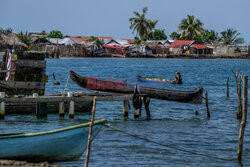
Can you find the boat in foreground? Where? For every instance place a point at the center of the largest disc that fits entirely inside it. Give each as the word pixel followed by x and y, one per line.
pixel 118 86
pixel 56 145
pixel 155 80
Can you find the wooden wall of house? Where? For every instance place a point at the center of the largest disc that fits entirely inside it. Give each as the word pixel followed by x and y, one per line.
pixel 230 50
pixel 27 74
pixel 56 51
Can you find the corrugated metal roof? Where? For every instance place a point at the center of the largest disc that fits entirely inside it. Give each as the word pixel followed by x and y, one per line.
pixel 179 43
pixel 80 39
pixel 64 41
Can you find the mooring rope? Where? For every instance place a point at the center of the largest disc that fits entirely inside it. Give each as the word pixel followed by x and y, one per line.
pixel 168 146
pixel 66 85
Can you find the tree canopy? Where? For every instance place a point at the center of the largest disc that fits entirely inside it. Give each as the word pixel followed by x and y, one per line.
pixel 231 36
pixel 93 38
pixel 55 34
pixel 24 37
pixel 158 35
pixel 190 27
pixel 142 25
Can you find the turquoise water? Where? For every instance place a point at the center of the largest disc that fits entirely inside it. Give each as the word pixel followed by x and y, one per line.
pixel 172 123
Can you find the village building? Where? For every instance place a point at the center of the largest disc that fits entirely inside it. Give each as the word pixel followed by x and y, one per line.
pixel 219 49
pixel 180 47
pixel 154 48
pixel 118 48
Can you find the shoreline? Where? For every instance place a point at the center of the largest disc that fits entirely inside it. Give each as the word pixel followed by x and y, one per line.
pixel 170 56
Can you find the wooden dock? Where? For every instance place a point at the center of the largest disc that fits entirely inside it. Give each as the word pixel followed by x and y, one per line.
pixel 71 99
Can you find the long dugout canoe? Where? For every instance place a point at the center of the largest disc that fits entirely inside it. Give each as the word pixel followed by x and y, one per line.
pixel 118 86
pixel 56 145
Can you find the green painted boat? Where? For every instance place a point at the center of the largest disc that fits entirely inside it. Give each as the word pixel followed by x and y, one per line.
pixel 64 144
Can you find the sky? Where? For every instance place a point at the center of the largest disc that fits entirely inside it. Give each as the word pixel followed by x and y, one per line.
pixel 111 17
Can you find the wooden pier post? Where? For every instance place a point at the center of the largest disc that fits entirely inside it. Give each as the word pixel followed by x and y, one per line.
pixel 206 98
pixel 2 106
pixel 125 108
pixel 90 133
pixel 71 106
pixel 227 86
pixel 239 113
pixel 61 109
pixel 41 108
pixel 244 119
pixel 146 101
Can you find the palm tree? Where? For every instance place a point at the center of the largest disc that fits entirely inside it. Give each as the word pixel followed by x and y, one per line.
pixel 141 25
pixel 190 27
pixel 230 36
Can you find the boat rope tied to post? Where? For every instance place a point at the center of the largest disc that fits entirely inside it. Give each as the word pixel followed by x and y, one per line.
pixel 66 85
pixel 167 145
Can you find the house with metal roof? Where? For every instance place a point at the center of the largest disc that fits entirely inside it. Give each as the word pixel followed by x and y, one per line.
pixel 188 47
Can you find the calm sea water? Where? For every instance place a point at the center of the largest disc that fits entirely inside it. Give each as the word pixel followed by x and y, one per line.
pixel 172 123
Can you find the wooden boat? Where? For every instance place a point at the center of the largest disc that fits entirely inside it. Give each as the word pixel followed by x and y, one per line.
pixel 56 145
pixel 155 80
pixel 118 86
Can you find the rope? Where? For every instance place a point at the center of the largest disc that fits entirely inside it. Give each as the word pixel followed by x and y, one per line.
pixel 66 85
pixel 168 146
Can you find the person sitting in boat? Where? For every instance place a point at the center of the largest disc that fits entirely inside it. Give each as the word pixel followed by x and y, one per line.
pixel 177 79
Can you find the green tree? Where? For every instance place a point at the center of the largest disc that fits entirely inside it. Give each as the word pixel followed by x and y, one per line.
pixel 158 35
pixel 44 32
pixel 137 41
pixel 142 25
pixel 190 27
pixel 24 37
pixel 55 34
pixel 207 36
pixel 231 36
pixel 175 36
pixel 93 38
pixel 6 31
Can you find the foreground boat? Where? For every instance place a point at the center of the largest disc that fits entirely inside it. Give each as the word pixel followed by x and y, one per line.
pixel 118 86
pixel 142 79
pixel 56 145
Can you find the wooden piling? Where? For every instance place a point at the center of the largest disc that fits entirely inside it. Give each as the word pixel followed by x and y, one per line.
pixel 125 108
pixel 146 101
pixel 2 106
pixel 71 106
pixel 90 133
pixel 196 112
pixel 137 113
pixel 61 109
pixel 227 86
pixel 239 113
pixel 41 108
pixel 244 119
pixel 206 98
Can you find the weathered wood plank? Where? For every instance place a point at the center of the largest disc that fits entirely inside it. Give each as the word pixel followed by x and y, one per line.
pixel 31 63
pixel 23 91
pixel 21 85
pixel 65 99
pixel 31 55
pixel 31 77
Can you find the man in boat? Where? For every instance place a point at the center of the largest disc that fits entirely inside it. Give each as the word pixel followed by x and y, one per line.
pixel 177 79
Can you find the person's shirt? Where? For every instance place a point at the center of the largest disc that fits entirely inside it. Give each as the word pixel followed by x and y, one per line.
pixel 178 79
